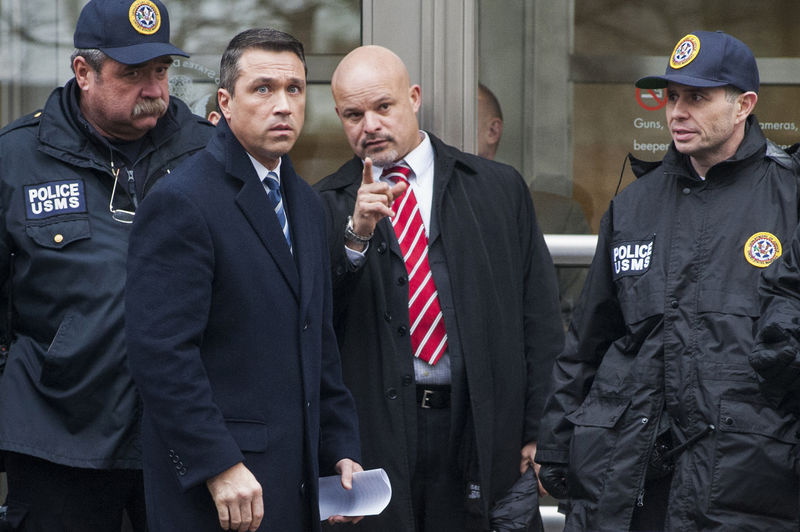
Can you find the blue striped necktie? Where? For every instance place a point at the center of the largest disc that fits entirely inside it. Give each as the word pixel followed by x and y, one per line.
pixel 274 193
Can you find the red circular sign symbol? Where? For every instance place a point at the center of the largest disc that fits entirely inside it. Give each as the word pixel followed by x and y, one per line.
pixel 651 99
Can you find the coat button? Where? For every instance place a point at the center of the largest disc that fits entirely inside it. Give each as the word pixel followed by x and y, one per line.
pixel 340 270
pixel 59 238
pixel 728 421
pixel 644 420
pixel 391 393
pixel 381 248
pixel 402 330
pixel 387 316
pixel 408 380
pixel 305 326
pixel 302 488
pixel 401 281
pixel 674 304
pixel 686 191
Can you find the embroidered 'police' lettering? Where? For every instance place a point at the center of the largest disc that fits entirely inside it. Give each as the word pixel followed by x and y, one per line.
pixel 54 198
pixel 631 258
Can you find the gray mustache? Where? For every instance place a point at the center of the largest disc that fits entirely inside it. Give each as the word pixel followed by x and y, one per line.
pixel 149 107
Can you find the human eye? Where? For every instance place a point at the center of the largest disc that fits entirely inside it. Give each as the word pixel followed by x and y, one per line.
pixel 353 116
pixel 262 89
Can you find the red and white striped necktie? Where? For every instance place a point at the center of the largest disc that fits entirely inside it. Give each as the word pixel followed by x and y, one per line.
pixel 428 335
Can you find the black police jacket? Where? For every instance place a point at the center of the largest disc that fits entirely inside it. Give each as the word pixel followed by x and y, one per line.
pixel 659 344
pixel 66 395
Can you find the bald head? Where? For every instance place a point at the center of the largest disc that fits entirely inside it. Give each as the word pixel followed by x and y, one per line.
pixel 490 122
pixel 377 104
pixel 368 60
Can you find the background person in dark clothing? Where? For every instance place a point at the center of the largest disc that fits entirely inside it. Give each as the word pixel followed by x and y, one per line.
pixel 656 421
pixel 71 176
pixel 453 432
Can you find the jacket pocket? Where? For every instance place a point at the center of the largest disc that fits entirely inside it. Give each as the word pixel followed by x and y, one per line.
pixel 63 364
pixel 754 461
pixel 250 436
pixel 56 235
pixel 594 437
pixel 640 303
pixel 743 303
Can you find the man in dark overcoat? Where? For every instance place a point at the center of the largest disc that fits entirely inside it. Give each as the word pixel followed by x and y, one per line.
pixel 229 317
pixel 454 431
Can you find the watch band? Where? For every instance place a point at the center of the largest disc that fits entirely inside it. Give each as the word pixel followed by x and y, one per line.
pixel 352 236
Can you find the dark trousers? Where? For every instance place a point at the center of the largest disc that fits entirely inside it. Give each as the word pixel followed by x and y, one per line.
pixel 48 497
pixel 438 491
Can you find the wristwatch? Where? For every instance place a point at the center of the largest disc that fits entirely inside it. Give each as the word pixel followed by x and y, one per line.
pixel 351 236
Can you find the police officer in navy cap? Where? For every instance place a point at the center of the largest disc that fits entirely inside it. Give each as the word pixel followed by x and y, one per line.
pixel 71 177
pixel 657 421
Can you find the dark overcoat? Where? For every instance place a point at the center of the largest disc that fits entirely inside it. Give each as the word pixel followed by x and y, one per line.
pixel 231 342
pixel 506 304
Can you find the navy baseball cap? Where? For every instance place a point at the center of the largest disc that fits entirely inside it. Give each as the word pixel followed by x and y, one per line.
pixel 128 31
pixel 708 59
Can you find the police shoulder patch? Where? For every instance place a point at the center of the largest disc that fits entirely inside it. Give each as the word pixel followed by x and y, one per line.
pixel 145 17
pixel 762 249
pixel 53 198
pixel 685 51
pixel 631 257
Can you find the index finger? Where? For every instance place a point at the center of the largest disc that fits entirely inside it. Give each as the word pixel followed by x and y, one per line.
pixel 366 175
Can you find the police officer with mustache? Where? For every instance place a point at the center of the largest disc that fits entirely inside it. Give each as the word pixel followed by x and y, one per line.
pixel 71 177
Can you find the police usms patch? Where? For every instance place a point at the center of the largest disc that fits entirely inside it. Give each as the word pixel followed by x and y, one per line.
pixel 762 249
pixel 53 198
pixel 145 17
pixel 631 257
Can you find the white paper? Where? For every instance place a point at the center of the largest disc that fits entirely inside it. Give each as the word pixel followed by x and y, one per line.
pixel 371 492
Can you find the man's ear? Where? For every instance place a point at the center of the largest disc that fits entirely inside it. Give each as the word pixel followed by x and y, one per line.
pixel 415 95
pixel 224 101
pixel 495 130
pixel 83 72
pixel 745 104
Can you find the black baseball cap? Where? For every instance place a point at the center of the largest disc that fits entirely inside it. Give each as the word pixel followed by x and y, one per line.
pixel 128 31
pixel 708 59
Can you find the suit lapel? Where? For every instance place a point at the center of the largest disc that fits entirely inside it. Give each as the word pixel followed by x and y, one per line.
pixel 306 255
pixel 442 170
pixel 255 205
pixel 385 228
